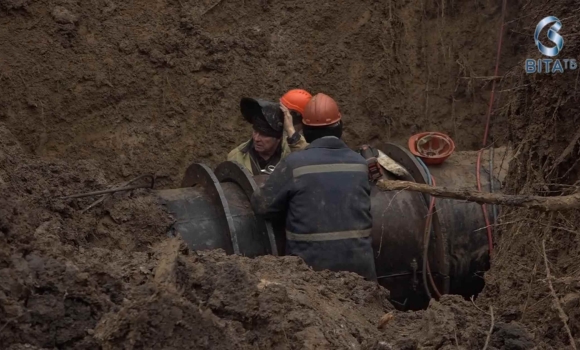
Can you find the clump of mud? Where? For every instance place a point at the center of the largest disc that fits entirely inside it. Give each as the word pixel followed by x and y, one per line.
pixel 211 300
pixel 60 268
pixel 109 277
pixel 452 323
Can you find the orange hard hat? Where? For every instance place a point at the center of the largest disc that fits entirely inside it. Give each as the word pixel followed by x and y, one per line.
pixel 296 99
pixel 432 147
pixel 322 110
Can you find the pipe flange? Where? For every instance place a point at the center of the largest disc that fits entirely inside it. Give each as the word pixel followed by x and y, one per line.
pixel 231 171
pixel 201 175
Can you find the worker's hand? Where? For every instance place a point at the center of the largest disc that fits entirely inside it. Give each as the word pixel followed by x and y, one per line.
pixel 288 125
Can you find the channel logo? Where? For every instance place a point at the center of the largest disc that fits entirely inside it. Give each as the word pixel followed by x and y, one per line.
pixel 549 65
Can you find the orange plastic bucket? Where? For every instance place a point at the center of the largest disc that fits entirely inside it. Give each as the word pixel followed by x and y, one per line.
pixel 432 147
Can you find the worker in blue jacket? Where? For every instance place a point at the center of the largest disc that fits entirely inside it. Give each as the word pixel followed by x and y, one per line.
pixel 324 192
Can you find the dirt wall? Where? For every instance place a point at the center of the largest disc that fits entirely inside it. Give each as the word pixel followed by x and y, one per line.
pixel 151 87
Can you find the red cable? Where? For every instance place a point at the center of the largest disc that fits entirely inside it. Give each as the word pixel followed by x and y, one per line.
pixel 486 133
pixel 497 57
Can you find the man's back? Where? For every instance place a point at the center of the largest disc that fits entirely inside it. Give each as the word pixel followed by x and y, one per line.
pixel 325 193
pixel 331 189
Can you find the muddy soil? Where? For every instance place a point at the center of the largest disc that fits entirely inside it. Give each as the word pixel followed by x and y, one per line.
pixel 142 87
pixel 110 278
pixel 97 94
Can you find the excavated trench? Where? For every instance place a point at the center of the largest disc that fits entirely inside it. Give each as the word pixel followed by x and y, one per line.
pixel 96 93
pixel 212 211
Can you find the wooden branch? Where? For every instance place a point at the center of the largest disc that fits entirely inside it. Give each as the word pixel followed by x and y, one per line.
pixel 113 190
pixel 557 203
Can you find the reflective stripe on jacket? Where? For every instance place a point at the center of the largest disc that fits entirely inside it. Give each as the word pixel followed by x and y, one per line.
pixel 325 193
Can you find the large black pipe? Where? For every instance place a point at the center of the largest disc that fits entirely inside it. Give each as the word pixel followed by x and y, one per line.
pixel 212 210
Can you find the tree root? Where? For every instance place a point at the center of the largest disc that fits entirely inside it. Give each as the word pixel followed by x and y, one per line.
pixel 546 204
pixel 561 311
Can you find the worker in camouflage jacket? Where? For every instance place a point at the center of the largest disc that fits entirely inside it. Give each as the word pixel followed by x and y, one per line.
pixel 268 146
pixel 324 193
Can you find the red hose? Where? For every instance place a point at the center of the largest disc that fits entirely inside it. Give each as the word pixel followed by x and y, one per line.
pixel 486 132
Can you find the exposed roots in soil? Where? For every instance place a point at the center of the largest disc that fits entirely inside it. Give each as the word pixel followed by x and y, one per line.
pixel 535 278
